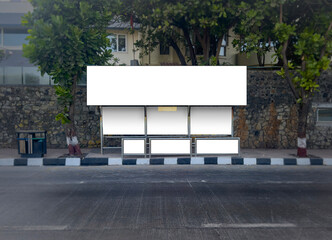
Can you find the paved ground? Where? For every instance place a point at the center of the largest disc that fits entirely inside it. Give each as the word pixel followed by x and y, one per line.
pixel 248 153
pixel 166 202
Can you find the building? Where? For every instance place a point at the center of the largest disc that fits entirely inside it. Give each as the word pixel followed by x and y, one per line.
pixel 124 44
pixel 14 68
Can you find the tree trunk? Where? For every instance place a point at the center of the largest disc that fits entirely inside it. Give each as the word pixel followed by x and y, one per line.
pixel 259 59
pixel 287 73
pixel 191 47
pixel 303 110
pixel 71 128
pixel 205 43
pixel 178 52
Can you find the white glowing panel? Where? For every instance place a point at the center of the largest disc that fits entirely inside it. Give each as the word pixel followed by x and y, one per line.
pixel 217 146
pixel 167 122
pixel 211 120
pixel 123 120
pixel 170 146
pixel 131 146
pixel 166 85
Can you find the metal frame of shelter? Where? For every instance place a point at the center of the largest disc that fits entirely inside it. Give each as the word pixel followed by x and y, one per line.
pixel 148 137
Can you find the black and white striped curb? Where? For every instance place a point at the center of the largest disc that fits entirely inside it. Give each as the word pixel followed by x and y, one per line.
pixel 163 161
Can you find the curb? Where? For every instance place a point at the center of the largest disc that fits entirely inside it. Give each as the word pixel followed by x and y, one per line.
pixel 163 161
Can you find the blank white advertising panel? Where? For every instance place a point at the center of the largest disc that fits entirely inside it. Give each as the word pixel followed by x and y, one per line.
pixel 133 146
pixel 167 122
pixel 123 120
pixel 217 146
pixel 167 85
pixel 170 146
pixel 211 120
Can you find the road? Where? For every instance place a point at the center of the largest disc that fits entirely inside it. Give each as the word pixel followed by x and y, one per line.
pixel 166 202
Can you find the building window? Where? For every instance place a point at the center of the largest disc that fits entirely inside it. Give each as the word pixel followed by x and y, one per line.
pixel 118 42
pixel 82 81
pixel 19 75
pixel 163 49
pixel 31 76
pixel 113 40
pixel 222 51
pixel 13 75
pixel 13 38
pixel 2 75
pixel 324 115
pixel 122 43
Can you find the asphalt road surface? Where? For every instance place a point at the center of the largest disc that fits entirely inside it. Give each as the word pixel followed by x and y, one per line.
pixel 166 202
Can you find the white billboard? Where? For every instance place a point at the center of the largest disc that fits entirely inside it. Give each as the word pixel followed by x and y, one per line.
pixel 217 146
pixel 167 122
pixel 133 146
pixel 166 85
pixel 170 146
pixel 211 120
pixel 123 120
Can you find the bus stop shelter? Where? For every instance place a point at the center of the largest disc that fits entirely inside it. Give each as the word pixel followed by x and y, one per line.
pixel 168 110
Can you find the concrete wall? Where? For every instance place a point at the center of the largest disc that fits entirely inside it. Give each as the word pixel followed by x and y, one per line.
pixel 230 58
pixel 243 59
pixel 125 57
pixel 269 120
pixel 155 59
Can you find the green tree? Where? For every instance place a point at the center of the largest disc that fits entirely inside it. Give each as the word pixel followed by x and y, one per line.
pixel 310 25
pixel 301 32
pixel 64 37
pixel 153 32
pixel 192 23
pixel 256 20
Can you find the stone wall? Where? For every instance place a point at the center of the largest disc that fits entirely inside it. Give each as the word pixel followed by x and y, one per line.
pixel 268 121
pixel 35 107
pixel 270 118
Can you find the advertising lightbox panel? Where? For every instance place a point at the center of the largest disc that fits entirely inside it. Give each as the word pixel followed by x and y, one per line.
pixel 133 146
pixel 123 120
pixel 167 122
pixel 170 146
pixel 166 85
pixel 211 120
pixel 217 146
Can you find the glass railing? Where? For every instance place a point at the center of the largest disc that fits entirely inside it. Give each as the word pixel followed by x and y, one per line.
pixel 19 75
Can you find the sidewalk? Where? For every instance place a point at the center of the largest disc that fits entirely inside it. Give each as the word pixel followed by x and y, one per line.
pixel 245 153
pixel 93 157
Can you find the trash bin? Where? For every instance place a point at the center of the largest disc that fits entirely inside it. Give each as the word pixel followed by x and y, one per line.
pixel 31 143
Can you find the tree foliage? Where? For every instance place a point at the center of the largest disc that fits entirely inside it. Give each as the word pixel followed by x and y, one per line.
pixel 311 29
pixel 254 27
pixel 153 32
pixel 64 37
pixel 192 23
